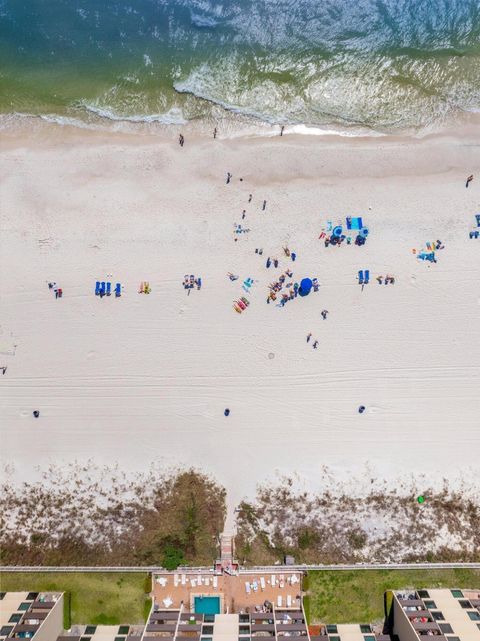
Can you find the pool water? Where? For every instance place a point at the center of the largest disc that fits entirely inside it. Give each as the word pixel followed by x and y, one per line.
pixel 207 605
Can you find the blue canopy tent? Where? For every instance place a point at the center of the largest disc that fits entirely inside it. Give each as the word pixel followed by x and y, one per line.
pixel 305 287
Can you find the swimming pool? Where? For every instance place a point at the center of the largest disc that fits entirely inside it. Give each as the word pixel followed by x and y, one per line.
pixel 207 604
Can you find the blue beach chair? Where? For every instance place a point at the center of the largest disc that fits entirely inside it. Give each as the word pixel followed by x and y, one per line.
pixel 118 290
pixel 97 288
pixel 360 277
pixel 367 277
pixel 102 289
pixel 477 216
pixel 109 288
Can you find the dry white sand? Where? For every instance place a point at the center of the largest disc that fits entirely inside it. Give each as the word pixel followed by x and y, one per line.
pixel 146 378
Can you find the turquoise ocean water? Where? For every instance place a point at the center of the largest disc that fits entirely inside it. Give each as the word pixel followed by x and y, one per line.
pixel 349 65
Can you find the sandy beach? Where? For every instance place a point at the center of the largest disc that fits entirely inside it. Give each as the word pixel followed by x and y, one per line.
pixel 145 379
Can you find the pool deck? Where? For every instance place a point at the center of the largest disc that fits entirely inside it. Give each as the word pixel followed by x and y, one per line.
pixel 282 589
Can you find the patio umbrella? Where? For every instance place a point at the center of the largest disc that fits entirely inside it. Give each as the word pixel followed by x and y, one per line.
pixel 305 287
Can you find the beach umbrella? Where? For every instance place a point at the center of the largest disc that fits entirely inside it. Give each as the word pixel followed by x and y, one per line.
pixel 305 286
pixel 337 231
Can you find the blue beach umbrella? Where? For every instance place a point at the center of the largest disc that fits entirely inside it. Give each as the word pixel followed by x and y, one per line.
pixel 305 287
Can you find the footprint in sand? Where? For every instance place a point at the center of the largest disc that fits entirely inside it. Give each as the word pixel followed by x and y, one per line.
pixel 25 413
pixel 374 410
pixel 91 355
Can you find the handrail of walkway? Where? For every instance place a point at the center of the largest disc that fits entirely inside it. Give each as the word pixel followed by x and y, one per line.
pixel 245 570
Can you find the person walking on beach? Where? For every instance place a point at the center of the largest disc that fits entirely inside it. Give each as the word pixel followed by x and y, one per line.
pixel 243 214
pixel 469 180
pixel 229 177
pixel 324 314
pixel 275 263
pixel 4 369
pixel 309 336
pixel 264 206
pixel 315 345
pixel 214 133
pixel 293 255
pixel 250 198
pixel 181 140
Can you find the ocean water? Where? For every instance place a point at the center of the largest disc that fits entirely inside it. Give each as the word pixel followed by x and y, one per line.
pixel 352 66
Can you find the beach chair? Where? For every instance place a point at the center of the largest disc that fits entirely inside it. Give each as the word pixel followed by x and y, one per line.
pixel 207 580
pixel 279 601
pixel 329 225
pixel 199 283
pixel 289 601
pixel 102 288
pixel 118 290
pixel 360 277
pixel 184 579
pixel 247 587
pixel 274 579
pixel 199 579
pixel 367 277
pixel 255 586
pixel 109 289
pixel 262 583
pixel 477 218
pixel 97 288
pixel 215 582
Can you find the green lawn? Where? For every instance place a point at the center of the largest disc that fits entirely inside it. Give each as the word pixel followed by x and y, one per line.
pixel 96 598
pixel 336 596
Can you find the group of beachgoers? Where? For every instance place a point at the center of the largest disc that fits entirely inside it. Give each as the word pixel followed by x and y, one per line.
pixel 56 289
pixel 278 285
pixel 388 279
pixel 189 282
pixel 428 254
pixel 339 240
pixel 324 314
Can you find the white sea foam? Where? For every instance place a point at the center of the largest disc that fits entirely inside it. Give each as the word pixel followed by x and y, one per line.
pixel 203 21
pixel 308 130
pixel 67 121
pixel 147 60
pixel 191 88
pixel 173 116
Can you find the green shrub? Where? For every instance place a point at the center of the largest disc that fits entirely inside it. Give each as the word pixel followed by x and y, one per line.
pixel 172 557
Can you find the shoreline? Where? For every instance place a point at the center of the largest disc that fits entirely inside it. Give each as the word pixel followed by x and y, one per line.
pixel 17 126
